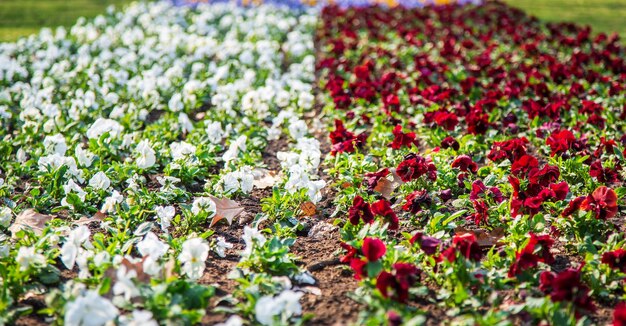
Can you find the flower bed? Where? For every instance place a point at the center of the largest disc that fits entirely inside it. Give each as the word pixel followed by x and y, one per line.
pixel 276 165
pixel 477 159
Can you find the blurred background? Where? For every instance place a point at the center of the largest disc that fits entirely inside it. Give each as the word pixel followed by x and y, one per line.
pixel 24 17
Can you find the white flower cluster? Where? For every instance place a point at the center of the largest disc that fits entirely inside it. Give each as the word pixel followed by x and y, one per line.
pixel 126 114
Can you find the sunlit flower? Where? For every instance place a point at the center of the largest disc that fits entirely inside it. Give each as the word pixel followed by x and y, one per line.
pixel 193 256
pixel 90 309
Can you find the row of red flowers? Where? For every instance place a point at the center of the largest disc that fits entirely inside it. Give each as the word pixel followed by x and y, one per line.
pixel 472 150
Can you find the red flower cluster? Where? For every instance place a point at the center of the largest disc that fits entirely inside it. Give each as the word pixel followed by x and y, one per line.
pixel 344 140
pixel 615 259
pixel 396 284
pixel 363 211
pixel 372 249
pixel 401 139
pixel 536 250
pixel 602 202
pixel 466 245
pixel 539 187
pixel 567 286
pixel 415 166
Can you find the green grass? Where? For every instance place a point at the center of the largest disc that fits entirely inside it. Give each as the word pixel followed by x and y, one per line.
pixel 24 17
pixel 602 15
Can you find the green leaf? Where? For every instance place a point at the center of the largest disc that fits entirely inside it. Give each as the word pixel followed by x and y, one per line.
pixel 374 268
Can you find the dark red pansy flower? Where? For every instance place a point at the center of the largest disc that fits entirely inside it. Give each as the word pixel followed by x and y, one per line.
pixel 362 72
pixel 360 210
pixel 602 202
pixel 567 286
pixel 373 249
pixel 343 140
pixel 467 245
pixel 416 201
pixel 446 119
pixel 602 174
pixel 465 164
pixel 402 139
pixel 428 244
pixel 450 142
pixel 544 176
pixel 524 164
pixel 481 212
pixel 396 285
pixel 619 314
pixel 615 259
pixel 350 254
pixel 536 250
pixel 511 149
pixel 383 208
pixel 574 205
pixel 445 195
pixel 560 141
pixel 479 188
pixel 559 190
pixel 358 266
pixel 415 166
pixel 372 178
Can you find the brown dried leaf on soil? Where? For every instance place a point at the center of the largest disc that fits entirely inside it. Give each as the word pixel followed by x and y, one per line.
pixel 484 238
pixel 30 219
pixel 130 266
pixel 385 186
pixel 97 217
pixel 226 209
pixel 308 209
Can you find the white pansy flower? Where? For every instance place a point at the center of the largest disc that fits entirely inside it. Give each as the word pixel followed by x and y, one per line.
pixel 73 245
pixel 55 144
pixel 138 318
pixel 125 284
pixel 287 303
pixel 175 103
pixel 252 236
pixel 214 131
pixel 165 216
pixel 145 155
pixel 152 246
pixel 203 204
pixel 239 145
pixel 102 126
pixel 233 320
pixel 297 129
pixel 100 181
pixel 182 150
pixel 90 310
pixel 28 256
pixel 221 245
pixel 111 201
pixel 84 157
pixel 185 123
pixel 193 257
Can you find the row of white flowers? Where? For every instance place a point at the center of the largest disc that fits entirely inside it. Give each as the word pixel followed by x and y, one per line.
pixel 129 125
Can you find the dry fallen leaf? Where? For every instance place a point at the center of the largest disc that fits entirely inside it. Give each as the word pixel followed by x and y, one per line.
pixel 225 209
pixel 308 209
pixel 484 238
pixel 97 217
pixel 137 267
pixel 385 186
pixel 30 219
pixel 264 178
